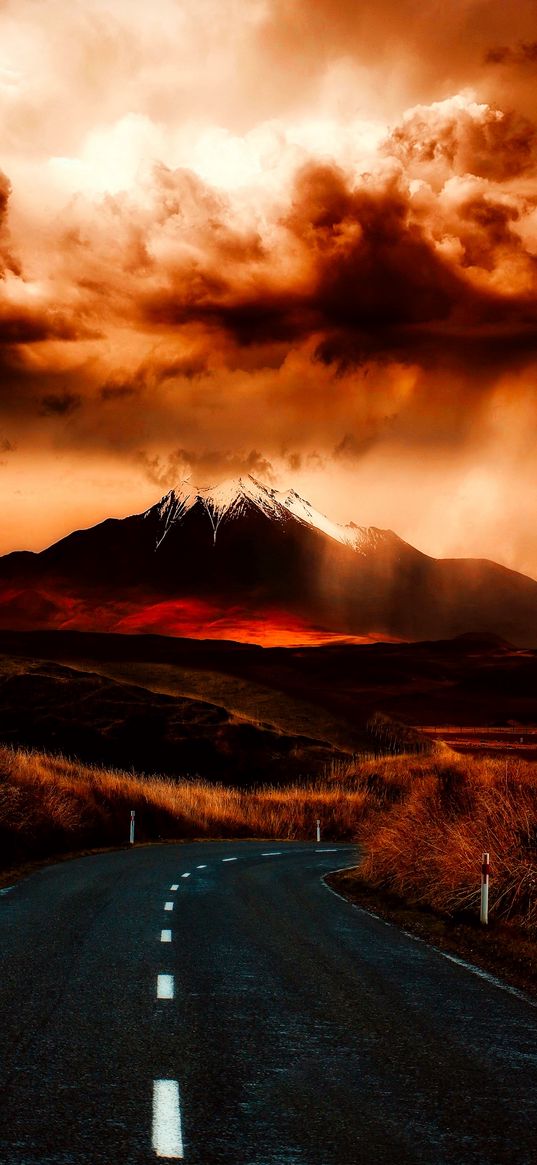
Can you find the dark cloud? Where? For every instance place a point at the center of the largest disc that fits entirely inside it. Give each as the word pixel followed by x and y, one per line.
pixel 487 230
pixel 354 445
pixel 60 404
pixel 374 268
pixel 524 53
pixel 204 467
pixel 367 276
pixel 116 392
pixel 32 326
pixel 189 367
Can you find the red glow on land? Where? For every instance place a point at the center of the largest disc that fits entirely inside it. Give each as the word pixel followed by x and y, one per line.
pixel 195 619
pixel 189 618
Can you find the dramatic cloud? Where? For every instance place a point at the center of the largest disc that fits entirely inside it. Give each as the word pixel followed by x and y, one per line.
pixel 7 262
pixel 184 464
pixel 293 240
pixel 60 404
pixel 520 54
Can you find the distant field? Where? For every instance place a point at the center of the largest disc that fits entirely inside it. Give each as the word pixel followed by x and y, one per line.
pixel 520 740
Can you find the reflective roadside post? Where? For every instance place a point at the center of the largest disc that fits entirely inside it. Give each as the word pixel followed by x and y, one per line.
pixel 318 829
pixel 485 872
pixel 131 832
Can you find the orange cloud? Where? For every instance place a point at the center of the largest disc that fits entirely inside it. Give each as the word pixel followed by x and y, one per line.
pixel 298 239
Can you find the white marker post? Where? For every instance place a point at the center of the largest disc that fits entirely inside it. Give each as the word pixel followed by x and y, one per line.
pixel 485 872
pixel 131 833
pixel 318 829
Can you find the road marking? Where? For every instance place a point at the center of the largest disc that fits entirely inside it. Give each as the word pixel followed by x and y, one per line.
pixel 168 905
pixel 185 875
pixel 481 974
pixel 326 851
pixel 274 853
pixel 167 1137
pixel 165 936
pixel 165 987
pixel 229 859
pixel 175 886
pixel 7 889
pixel 201 867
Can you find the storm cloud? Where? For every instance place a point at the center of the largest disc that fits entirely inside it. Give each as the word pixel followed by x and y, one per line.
pixel 312 256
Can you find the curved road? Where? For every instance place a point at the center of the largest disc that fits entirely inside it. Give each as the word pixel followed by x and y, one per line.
pixel 245 1014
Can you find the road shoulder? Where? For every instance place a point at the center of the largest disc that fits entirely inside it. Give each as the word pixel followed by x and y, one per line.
pixel 501 950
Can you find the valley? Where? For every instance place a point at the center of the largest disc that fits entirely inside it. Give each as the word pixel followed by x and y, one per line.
pixel 244 713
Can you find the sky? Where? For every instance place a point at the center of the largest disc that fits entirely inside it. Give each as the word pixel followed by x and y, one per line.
pixel 292 238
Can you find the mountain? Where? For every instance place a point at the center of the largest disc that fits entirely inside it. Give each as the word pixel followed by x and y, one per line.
pixel 243 561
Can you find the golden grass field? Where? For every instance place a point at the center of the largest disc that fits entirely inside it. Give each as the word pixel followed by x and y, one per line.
pixel 422 821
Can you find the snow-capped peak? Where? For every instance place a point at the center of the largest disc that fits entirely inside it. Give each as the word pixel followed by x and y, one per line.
pixel 235 496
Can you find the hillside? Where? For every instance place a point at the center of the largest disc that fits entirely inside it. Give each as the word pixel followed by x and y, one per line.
pixel 107 721
pixel 242 714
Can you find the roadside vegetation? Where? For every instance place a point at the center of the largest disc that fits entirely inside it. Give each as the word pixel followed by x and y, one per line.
pixel 422 821
pixel 425 843
pixel 51 805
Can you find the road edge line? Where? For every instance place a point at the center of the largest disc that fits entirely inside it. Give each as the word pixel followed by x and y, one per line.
pixel 415 938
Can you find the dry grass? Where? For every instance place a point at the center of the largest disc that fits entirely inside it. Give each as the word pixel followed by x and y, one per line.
pixel 426 847
pixel 49 805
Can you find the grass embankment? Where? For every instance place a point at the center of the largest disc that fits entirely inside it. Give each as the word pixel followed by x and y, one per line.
pixel 435 817
pixel 426 826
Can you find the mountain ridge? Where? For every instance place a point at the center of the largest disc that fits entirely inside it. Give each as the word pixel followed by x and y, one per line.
pixel 245 561
pixel 232 496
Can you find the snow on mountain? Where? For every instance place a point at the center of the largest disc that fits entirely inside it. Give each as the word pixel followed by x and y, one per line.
pixel 232 499
pixel 171 509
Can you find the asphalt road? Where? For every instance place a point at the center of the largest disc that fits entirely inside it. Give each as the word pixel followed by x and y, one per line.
pixel 291 1028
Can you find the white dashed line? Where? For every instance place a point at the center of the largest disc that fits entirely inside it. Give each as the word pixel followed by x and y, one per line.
pixel 168 905
pixel 167 1137
pixel 175 886
pixel 165 936
pixel 326 851
pixel 165 987
pixel 186 875
pixel 274 853
pixel 201 867
pixel 229 859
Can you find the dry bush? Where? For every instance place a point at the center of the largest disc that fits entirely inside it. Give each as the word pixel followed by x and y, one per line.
pixel 428 847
